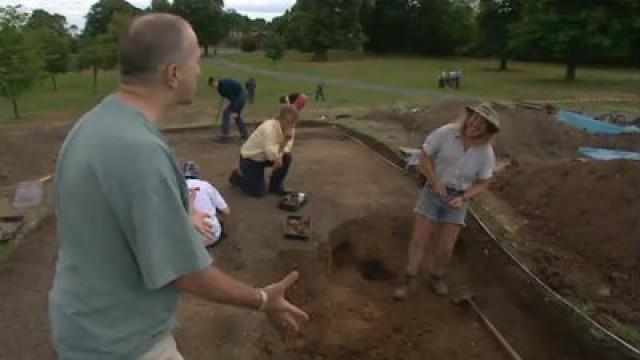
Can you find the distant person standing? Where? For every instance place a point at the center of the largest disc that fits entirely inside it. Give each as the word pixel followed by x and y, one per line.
pixel 441 79
pixel 320 91
pixel 250 85
pixel 231 90
pixel 457 78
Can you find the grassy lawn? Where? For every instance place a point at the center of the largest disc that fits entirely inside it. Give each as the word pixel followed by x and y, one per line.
pixel 4 251
pixel 527 81
pixel 75 95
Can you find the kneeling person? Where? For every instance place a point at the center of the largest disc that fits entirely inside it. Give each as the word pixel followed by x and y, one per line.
pixel 206 199
pixel 268 146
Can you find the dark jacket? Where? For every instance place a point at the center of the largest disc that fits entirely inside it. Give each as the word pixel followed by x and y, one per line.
pixel 230 89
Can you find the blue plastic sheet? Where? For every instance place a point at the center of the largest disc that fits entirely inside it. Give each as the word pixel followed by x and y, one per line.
pixel 592 126
pixel 604 154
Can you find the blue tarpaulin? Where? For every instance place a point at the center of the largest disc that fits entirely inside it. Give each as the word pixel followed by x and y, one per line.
pixel 593 126
pixel 604 154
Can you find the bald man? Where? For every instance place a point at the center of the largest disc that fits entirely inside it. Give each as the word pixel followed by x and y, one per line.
pixel 128 247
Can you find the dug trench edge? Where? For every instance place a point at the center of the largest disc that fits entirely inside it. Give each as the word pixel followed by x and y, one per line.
pixel 593 327
pixel 392 158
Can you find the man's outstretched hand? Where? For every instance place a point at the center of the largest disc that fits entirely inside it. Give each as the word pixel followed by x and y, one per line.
pixel 282 314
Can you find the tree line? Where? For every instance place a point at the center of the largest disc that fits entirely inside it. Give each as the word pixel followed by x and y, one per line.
pixel 39 45
pixel 569 31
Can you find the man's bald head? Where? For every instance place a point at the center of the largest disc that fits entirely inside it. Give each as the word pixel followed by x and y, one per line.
pixel 151 43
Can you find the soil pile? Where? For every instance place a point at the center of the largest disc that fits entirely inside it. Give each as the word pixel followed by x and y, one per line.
pixel 583 222
pixel 526 136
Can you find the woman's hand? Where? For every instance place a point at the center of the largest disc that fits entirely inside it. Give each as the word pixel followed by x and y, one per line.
pixel 440 189
pixel 457 202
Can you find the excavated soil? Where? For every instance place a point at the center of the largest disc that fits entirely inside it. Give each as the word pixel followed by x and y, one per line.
pixel 361 209
pixel 582 230
pixel 526 136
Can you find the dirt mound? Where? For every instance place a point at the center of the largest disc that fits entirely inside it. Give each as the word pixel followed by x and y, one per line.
pixel 526 135
pixel 583 221
pixel 354 316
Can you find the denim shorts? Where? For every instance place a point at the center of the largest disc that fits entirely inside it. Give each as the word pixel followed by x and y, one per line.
pixel 433 207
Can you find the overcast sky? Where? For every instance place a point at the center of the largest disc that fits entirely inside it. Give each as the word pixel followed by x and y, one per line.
pixel 75 10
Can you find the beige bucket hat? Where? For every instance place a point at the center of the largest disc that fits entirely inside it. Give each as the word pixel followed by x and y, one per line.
pixel 485 109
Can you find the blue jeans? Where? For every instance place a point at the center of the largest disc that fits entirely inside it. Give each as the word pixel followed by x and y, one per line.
pixel 251 177
pixel 433 207
pixel 235 107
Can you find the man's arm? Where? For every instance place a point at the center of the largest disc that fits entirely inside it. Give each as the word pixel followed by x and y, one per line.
pixel 273 146
pixel 214 285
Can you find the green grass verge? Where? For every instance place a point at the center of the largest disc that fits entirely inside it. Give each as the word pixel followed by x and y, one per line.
pixel 75 95
pixel 529 81
pixel 4 251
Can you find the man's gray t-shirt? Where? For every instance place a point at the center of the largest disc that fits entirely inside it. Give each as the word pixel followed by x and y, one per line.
pixel 124 234
pixel 456 167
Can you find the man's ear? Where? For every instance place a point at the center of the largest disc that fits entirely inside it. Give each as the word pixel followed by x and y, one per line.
pixel 171 76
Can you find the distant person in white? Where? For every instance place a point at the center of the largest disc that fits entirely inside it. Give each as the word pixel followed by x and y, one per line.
pixel 206 199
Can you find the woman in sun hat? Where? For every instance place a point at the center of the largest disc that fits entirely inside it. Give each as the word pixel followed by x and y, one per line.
pixel 457 160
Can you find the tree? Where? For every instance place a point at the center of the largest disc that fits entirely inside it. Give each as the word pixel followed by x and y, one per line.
pixel 249 43
pixel 101 13
pixel 386 26
pixel 274 47
pixel 20 64
pixel 55 49
pixel 161 6
pixel 74 31
pixel 449 24
pixel 495 20
pixel 12 17
pixel 242 23
pixel 433 27
pixel 572 31
pixel 206 19
pixel 628 12
pixel 279 23
pixel 101 53
pixel 41 19
pixel 50 34
pixel 320 25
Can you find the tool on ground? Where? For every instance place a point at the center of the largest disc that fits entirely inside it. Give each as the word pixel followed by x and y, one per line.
pixel 411 157
pixel 297 227
pixel 467 299
pixel 293 201
pixel 9 227
pixel 30 193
